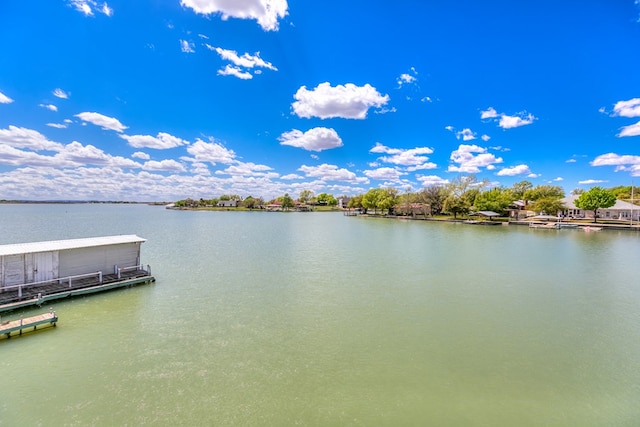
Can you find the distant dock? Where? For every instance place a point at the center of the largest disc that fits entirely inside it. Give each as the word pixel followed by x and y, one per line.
pixel 24 325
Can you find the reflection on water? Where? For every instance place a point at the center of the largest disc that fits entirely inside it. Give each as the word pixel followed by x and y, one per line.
pixel 319 319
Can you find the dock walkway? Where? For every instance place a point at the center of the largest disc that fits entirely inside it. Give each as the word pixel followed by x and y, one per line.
pixel 20 325
pixel 15 297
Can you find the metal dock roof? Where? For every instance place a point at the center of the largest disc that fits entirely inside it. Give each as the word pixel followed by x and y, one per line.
pixel 59 245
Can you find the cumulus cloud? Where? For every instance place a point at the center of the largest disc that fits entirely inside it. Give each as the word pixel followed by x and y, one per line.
pixel 57 125
pixel 162 141
pixel 489 113
pixel 291 176
pixel 27 138
pixel 211 152
pixel 470 158
pixel 230 70
pixel 186 46
pixel 141 155
pixel 49 107
pixel 408 78
pixel 414 157
pixel 516 170
pixel 630 108
pixel 428 180
pixel 164 165
pixel 105 122
pixel 90 155
pixel 626 163
pixel 4 99
pixel 591 181
pixel 485 138
pixel 88 7
pixel 327 172
pixel 245 60
pixel 466 134
pixel 390 174
pixel 508 122
pixel 266 12
pixel 346 101
pixel 631 130
pixel 59 93
pixel 505 121
pixel 316 139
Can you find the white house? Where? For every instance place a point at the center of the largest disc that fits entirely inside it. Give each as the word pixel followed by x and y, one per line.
pixel 621 210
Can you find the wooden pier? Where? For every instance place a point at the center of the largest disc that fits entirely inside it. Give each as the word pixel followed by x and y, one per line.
pixel 20 325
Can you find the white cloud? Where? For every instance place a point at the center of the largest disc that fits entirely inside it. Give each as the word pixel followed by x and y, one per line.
pixel 466 134
pixel 505 121
pixel 571 161
pixel 4 99
pixel 234 71
pixel 489 113
pixel 266 12
pixel 449 128
pixel 612 159
pixel 558 179
pixel 428 180
pixel 88 154
pixel 630 108
pixel 161 142
pixel 405 157
pixel 141 155
pixel 211 152
pixel 426 99
pixel 346 101
pixel 88 7
pixel 49 107
pixel 391 174
pixel 245 61
pixel 164 165
pixel 316 139
pixel 407 78
pixel 57 125
pixel 631 130
pixel 509 122
pixel 59 93
pixel 591 181
pixel 516 170
pixel 27 138
pixel 470 163
pixel 105 122
pixel 186 46
pixel 291 176
pixel 485 138
pixel 327 172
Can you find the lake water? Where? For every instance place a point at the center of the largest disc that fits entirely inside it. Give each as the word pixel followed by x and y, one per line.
pixel 319 319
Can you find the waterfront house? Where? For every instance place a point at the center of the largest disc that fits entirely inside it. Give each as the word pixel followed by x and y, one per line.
pixel 620 211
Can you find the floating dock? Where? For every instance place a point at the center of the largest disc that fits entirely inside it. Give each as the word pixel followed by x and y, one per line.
pixel 24 325
pixel 37 272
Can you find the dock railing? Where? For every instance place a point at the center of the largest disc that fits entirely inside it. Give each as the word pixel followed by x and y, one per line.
pixel 69 279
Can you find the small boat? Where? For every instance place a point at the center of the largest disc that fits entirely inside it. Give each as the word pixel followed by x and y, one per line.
pixel 589 228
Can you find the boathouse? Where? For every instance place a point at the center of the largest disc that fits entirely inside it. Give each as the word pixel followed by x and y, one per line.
pixel 42 270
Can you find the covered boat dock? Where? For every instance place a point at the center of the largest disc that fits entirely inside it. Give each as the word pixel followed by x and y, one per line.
pixel 37 272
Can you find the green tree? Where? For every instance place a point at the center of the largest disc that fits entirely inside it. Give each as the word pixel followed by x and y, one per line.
pixel 434 196
pixel 355 202
pixel 544 191
pixel 519 188
pixel 252 202
pixel 548 205
pixel 305 196
pixel 496 199
pixel 456 205
pixel 326 199
pixel 287 202
pixel 594 199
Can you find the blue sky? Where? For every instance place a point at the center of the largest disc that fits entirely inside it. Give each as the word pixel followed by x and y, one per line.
pixel 167 99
